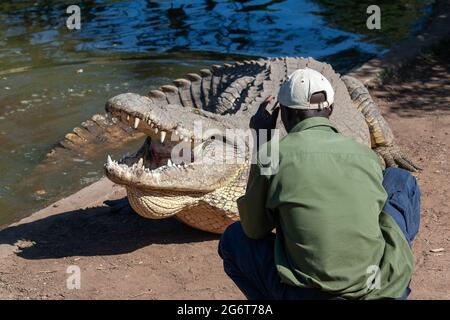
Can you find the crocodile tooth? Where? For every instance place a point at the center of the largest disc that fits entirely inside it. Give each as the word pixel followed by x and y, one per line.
pixel 136 122
pixel 176 132
pixel 186 139
pixel 141 162
pixel 109 161
pixel 163 136
pixel 128 117
pixel 169 162
pixel 156 130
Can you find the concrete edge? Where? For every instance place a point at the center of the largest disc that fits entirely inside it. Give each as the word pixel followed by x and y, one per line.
pixel 91 196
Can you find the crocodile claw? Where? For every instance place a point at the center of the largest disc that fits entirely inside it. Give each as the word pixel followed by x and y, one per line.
pixel 392 156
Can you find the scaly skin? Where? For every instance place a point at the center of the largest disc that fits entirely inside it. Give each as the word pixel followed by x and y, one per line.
pixel 225 97
pixel 382 137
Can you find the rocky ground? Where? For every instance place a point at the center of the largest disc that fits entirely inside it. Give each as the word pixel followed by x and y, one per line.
pixel 122 256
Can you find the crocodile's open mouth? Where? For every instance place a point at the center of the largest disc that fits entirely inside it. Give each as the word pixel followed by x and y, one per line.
pixel 166 162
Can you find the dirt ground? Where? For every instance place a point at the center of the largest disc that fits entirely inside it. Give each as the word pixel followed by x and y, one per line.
pixel 122 256
pixel 416 102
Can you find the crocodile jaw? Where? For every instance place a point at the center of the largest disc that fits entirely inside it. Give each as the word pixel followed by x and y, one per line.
pixel 157 186
pixel 192 178
pixel 167 189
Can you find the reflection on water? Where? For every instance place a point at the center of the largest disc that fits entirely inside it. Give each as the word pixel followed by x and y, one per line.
pixel 51 78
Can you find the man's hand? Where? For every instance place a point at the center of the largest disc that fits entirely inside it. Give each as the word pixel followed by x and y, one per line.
pixel 262 118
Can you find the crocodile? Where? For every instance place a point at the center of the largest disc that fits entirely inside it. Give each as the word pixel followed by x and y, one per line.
pixel 203 194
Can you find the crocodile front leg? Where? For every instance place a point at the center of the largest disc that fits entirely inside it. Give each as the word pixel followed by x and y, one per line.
pixel 381 134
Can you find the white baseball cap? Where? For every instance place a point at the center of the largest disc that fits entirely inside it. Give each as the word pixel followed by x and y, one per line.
pixel 297 90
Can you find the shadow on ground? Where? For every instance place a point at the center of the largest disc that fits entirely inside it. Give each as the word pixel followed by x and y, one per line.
pixel 105 230
pixel 422 85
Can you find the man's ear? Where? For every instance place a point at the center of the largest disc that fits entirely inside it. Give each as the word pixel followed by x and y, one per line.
pixel 331 109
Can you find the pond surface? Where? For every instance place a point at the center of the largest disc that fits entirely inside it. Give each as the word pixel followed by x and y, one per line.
pixel 52 78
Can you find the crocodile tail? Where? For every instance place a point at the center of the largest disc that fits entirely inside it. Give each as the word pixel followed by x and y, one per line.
pixel 380 132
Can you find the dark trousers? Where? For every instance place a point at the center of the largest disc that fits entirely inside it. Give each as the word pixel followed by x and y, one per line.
pixel 250 263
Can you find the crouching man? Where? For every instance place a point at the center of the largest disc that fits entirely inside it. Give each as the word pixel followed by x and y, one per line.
pixel 343 225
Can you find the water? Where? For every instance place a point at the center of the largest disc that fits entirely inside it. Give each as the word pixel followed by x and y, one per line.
pixel 52 78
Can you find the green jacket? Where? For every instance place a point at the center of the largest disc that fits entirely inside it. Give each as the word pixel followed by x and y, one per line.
pixel 325 202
